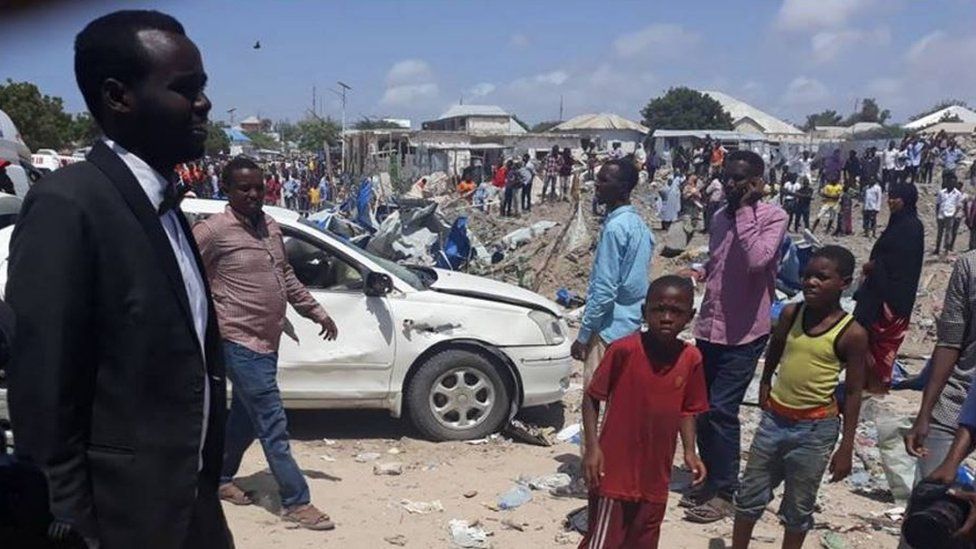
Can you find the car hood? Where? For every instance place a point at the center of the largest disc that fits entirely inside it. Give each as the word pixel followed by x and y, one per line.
pixel 478 287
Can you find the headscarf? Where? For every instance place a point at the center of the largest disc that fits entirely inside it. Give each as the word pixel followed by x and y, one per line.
pixel 897 257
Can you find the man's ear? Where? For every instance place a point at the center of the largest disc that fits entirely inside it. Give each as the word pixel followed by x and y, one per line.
pixel 116 96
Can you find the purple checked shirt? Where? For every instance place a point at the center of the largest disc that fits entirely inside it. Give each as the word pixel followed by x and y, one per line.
pixel 740 276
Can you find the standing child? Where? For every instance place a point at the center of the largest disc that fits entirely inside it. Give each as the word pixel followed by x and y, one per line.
pixel 830 208
pixel 811 344
pixel 872 205
pixel 654 385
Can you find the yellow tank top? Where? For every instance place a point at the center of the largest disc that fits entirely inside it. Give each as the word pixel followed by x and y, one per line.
pixel 809 369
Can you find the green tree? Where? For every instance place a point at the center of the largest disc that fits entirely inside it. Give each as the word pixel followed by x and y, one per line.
pixel 286 130
pixel 685 109
pixel 217 141
pixel 263 140
pixel 828 117
pixel 315 131
pixel 870 112
pixel 939 106
pixel 83 131
pixel 543 127
pixel 41 119
pixel 376 124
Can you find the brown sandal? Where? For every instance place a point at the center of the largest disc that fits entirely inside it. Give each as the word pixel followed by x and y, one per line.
pixel 307 516
pixel 230 492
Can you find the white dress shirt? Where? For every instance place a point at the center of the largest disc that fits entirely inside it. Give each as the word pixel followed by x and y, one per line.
pixel 872 198
pixel 947 203
pixel 154 184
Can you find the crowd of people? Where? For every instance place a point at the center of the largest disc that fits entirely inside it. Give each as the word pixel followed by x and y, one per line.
pixel 119 371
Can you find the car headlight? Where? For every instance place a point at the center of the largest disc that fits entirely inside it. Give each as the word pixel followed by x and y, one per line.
pixel 552 330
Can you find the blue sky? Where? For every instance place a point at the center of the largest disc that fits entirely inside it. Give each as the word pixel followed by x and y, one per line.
pixel 412 59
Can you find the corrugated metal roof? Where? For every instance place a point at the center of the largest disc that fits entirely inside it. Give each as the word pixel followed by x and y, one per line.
pixel 964 114
pixel 740 109
pixel 600 121
pixel 456 111
pixel 721 135
pixel 952 128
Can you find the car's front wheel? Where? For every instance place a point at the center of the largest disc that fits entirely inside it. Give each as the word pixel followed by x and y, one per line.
pixel 457 395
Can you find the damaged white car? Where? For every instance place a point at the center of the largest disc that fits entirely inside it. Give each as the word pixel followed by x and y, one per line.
pixel 458 354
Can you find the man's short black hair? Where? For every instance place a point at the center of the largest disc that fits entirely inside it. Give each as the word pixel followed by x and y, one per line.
pixel 671 281
pixel 756 165
pixel 626 172
pixel 236 163
pixel 842 258
pixel 109 47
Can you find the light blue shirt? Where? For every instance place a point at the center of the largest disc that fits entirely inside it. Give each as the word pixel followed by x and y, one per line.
pixel 671 199
pixel 619 279
pixel 915 153
pixel 950 158
pixel 291 187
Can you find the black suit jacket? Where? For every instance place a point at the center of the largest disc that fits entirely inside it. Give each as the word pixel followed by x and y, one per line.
pixel 107 381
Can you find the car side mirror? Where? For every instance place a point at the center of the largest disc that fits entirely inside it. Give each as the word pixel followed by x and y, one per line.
pixel 378 284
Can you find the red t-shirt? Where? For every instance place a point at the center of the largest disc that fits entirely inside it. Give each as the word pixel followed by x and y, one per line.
pixel 500 174
pixel 646 402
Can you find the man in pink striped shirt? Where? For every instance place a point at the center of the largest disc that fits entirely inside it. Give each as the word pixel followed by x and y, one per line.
pixel 252 284
pixel 734 323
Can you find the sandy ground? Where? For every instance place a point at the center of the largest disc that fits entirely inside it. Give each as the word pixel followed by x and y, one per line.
pixel 367 507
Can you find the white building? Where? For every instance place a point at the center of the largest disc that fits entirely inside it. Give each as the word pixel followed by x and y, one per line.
pixel 949 113
pixel 749 119
pixel 476 119
pixel 605 129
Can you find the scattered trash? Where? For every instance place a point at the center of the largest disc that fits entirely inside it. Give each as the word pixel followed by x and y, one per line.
pixel 515 497
pixel 531 434
pixel 326 457
pixel 398 539
pixel 394 451
pixel 422 507
pixel 470 494
pixel 521 236
pixel 562 538
pixel 578 520
pixel 391 469
pixel 546 482
pixel 329 442
pixel 513 525
pixel 571 433
pixel 567 298
pixel 832 540
pixel 464 534
pixel 479 441
pixel 367 456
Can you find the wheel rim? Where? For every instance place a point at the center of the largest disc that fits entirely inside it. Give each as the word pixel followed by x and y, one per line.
pixel 462 398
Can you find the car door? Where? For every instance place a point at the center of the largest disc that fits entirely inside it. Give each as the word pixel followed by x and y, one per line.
pixel 357 365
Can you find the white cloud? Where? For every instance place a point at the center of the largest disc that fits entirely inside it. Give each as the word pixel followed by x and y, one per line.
pixel 519 41
pixel 538 82
pixel 810 15
pixel 828 44
pixel 937 66
pixel 409 71
pixel 482 89
pixel 658 40
pixel 919 50
pixel 407 95
pixel 803 91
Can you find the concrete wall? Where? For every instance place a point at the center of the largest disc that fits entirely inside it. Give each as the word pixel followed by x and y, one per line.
pixel 487 124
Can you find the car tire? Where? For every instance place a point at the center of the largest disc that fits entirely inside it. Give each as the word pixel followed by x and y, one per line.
pixel 457 395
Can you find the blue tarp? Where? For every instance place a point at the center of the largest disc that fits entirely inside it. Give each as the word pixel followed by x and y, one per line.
pixel 362 204
pixel 236 136
pixel 457 246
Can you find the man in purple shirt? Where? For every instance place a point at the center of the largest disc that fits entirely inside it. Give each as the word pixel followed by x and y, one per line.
pixel 734 323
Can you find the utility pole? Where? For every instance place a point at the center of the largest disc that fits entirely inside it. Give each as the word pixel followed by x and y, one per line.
pixel 231 111
pixel 344 87
pixel 560 107
pixel 313 100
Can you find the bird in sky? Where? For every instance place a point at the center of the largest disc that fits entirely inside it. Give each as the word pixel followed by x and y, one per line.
pixel 257 45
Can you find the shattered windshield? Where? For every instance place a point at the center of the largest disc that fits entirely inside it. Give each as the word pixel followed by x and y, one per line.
pixel 416 279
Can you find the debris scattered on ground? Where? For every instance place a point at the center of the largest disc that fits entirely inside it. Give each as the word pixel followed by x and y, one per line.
pixel 470 494
pixel 398 539
pixel 570 433
pixel 578 520
pixel 422 507
pixel 832 540
pixel 391 469
pixel 546 482
pixel 464 534
pixel 367 456
pixel 394 451
pixel 513 524
pixel 530 434
pixel 328 458
pixel 514 497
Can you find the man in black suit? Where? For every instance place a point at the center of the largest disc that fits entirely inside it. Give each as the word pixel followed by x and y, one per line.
pixel 117 388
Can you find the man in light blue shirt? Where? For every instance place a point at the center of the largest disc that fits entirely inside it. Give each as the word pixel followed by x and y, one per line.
pixel 619 279
pixel 291 187
pixel 950 159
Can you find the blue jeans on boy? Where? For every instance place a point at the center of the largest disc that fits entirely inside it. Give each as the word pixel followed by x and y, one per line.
pixel 728 372
pixel 256 411
pixel 794 452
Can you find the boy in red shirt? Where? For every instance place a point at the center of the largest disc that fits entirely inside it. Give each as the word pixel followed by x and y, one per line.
pixel 654 385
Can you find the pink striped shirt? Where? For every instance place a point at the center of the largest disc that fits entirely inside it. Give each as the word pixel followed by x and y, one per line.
pixel 740 276
pixel 251 280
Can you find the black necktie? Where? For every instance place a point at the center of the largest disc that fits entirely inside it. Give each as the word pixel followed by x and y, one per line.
pixel 172 196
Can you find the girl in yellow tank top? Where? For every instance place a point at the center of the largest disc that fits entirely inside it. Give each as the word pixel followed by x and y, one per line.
pixel 810 367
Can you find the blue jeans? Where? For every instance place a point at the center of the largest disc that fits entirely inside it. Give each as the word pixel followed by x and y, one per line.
pixel 728 373
pixel 792 452
pixel 256 411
